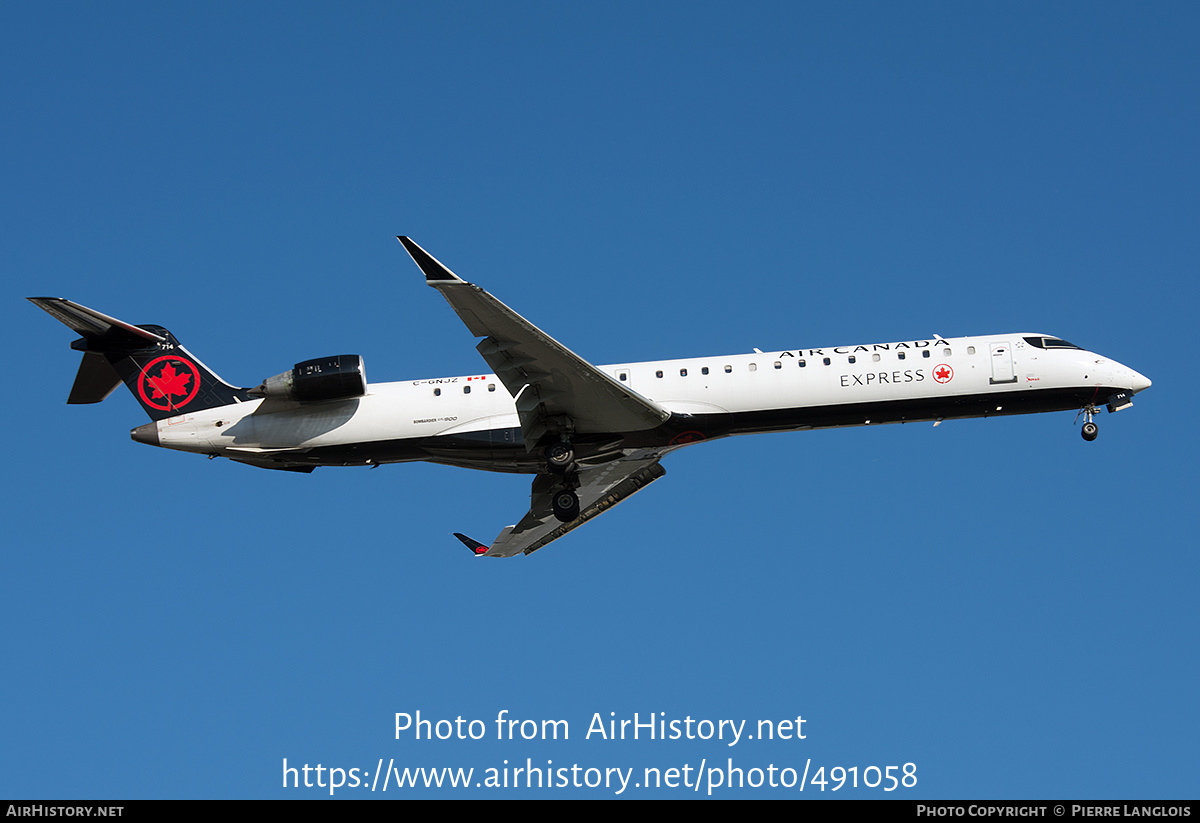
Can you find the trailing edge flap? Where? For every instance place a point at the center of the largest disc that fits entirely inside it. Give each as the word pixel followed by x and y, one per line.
pixel 548 380
pixel 601 488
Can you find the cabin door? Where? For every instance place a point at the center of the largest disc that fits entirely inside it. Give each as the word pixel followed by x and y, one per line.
pixel 1002 364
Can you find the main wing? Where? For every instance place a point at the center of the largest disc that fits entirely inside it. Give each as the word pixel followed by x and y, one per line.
pixel 556 390
pixel 600 489
pixel 557 394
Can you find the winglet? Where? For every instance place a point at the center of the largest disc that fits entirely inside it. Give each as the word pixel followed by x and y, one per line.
pixel 475 546
pixel 430 265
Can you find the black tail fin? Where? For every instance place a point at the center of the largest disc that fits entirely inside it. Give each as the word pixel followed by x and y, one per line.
pixel 165 377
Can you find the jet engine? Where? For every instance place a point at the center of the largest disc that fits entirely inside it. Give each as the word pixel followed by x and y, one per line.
pixel 326 378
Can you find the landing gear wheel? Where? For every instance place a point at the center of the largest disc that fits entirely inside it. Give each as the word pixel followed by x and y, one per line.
pixel 560 456
pixel 566 505
pixel 1090 430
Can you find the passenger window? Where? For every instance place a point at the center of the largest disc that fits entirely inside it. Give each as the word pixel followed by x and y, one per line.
pixel 925 353
pixel 491 386
pixel 437 392
pixel 852 358
pixel 802 364
pixel 683 372
pixel 875 357
pixel 778 365
pixel 704 370
pixel 753 367
pixel 728 369
pixel 970 349
pixel 946 352
pixel 658 374
pixel 466 389
pixel 900 355
pixel 825 361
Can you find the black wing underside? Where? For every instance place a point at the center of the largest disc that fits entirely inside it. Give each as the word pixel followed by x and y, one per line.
pixel 600 489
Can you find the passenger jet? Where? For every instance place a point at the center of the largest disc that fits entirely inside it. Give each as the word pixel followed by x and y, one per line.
pixel 591 436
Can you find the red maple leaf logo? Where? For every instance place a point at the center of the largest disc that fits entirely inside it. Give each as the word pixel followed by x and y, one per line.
pixel 169 382
pixel 942 374
pixel 174 386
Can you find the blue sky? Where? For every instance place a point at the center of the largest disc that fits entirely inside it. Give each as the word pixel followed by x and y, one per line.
pixel 1005 606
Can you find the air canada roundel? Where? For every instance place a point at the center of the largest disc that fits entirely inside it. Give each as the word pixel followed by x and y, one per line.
pixel 943 374
pixel 168 383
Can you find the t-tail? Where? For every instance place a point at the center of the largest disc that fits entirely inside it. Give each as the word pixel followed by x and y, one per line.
pixel 166 378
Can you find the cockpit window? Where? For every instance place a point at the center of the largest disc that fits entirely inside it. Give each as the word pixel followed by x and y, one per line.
pixel 1050 343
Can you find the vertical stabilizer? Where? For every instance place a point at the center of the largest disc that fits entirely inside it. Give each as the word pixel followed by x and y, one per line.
pixel 163 376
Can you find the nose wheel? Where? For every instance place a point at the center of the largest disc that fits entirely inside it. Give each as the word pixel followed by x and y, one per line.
pixel 1090 430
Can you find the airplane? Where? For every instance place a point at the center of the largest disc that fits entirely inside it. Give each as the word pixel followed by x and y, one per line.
pixel 590 435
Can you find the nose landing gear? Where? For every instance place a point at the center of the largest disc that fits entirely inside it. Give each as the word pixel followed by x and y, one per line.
pixel 1090 430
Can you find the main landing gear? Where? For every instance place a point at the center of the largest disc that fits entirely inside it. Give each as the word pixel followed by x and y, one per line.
pixel 566 505
pixel 1090 430
pixel 560 457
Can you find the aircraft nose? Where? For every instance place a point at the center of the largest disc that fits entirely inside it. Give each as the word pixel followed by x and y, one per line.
pixel 1139 382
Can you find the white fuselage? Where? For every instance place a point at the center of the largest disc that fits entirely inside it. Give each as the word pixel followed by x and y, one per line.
pixel 707 396
pixel 591 436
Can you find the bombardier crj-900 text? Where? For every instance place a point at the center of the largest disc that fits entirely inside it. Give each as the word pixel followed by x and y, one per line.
pixel 590 435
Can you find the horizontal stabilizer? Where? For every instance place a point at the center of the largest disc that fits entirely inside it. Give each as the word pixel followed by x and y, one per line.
pixel 94 325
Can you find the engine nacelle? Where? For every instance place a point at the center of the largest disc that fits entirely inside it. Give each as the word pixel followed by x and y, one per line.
pixel 326 378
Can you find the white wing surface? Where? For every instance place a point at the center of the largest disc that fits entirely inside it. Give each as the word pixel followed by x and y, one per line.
pixel 555 389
